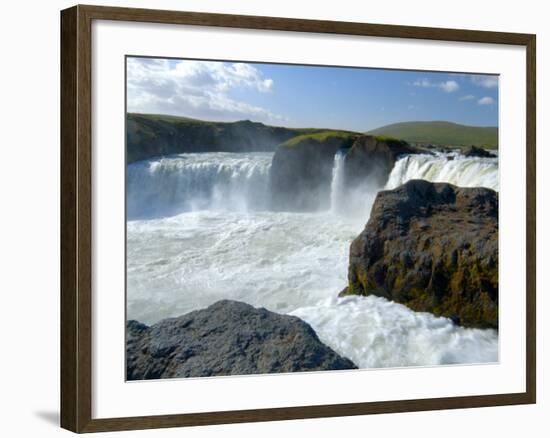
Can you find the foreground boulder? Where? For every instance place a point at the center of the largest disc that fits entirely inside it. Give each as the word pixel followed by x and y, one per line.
pixel 301 171
pixel 434 248
pixel 474 151
pixel 227 338
pixel 371 160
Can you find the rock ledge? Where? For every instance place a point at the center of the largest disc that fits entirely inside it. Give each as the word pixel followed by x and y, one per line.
pixel 434 248
pixel 227 338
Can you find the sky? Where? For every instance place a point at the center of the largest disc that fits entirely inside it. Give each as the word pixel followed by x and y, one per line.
pixel 357 99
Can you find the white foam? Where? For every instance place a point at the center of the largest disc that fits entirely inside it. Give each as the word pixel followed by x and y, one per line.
pixel 291 263
pixel 188 182
pixel 375 333
pixel 354 204
pixel 281 261
pixel 452 168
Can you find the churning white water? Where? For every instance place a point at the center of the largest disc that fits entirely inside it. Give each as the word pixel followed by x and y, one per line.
pixel 213 237
pixel 337 184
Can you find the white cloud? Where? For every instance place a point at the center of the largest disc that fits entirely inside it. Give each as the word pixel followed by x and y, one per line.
pixel 447 86
pixel 467 97
pixel 486 81
pixel 486 101
pixel 195 88
pixel 423 83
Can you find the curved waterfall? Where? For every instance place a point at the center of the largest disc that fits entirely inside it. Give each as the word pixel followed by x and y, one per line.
pixel 198 181
pixel 240 182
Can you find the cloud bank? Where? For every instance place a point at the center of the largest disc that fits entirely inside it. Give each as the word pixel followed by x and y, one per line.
pixel 486 101
pixel 199 89
pixel 447 86
pixel 485 81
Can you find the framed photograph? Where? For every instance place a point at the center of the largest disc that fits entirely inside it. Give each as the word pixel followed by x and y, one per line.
pixel 270 218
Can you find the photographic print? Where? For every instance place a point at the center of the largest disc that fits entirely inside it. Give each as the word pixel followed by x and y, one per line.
pixel 296 218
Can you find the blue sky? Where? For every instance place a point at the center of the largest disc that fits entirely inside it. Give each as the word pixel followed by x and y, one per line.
pixel 307 96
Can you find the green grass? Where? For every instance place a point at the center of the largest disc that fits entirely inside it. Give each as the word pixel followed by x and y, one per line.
pixel 181 120
pixel 441 133
pixel 387 138
pixel 320 136
pixel 151 135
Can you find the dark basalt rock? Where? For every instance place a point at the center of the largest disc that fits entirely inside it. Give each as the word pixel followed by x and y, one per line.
pixel 434 248
pixel 301 174
pixel 474 151
pixel 371 159
pixel 227 338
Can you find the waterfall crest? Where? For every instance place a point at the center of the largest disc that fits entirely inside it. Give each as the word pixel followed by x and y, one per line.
pixel 451 168
pixel 240 182
pixel 197 181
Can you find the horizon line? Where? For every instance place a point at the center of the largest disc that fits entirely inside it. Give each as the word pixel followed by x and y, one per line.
pixel 311 127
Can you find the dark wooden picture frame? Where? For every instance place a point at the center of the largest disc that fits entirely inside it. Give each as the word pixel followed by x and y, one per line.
pixel 76 218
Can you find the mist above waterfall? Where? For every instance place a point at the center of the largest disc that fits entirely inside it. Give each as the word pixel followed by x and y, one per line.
pixel 352 202
pixel 224 181
pixel 450 167
pixel 198 181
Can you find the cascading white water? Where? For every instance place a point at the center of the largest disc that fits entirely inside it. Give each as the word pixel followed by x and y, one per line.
pixel 452 168
pixel 337 183
pixel 198 181
pixel 354 204
pixel 199 232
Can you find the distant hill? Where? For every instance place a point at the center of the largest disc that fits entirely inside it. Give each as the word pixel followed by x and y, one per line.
pixel 151 135
pixel 441 133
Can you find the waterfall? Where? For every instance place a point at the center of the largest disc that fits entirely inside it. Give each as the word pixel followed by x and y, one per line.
pixel 167 186
pixel 451 168
pixel 188 182
pixel 337 183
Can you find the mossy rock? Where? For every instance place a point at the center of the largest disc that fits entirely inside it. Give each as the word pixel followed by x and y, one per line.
pixel 371 160
pixel 152 135
pixel 434 248
pixel 301 170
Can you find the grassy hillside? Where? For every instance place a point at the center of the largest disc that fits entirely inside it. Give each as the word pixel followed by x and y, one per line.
pixel 322 136
pixel 441 133
pixel 151 135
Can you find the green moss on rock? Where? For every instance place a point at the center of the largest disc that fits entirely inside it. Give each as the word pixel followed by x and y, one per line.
pixel 346 137
pixel 301 170
pixel 371 159
pixel 152 135
pixel 434 248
